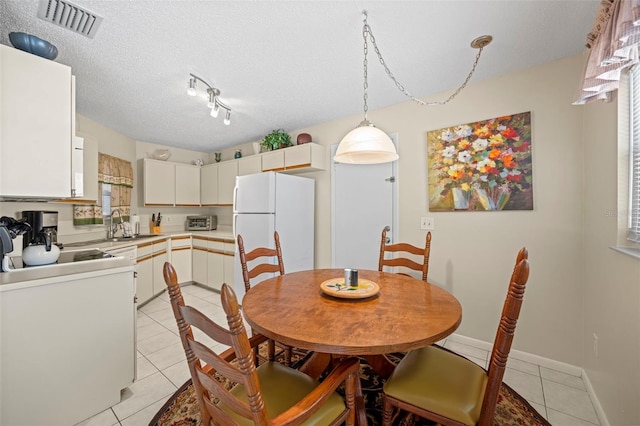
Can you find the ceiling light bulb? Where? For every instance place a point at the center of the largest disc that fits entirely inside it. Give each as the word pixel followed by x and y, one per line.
pixel 227 118
pixel 212 99
pixel 192 87
pixel 215 109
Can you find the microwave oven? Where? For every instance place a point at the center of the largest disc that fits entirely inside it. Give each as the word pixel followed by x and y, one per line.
pixel 202 223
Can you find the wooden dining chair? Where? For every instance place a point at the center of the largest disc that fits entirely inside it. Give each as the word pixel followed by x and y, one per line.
pixel 448 389
pixel 406 250
pixel 271 394
pixel 270 262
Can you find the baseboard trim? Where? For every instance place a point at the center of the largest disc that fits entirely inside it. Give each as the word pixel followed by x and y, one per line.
pixel 543 362
pixel 522 356
pixel 602 416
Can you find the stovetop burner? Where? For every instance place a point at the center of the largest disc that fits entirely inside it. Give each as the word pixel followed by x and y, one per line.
pixel 65 257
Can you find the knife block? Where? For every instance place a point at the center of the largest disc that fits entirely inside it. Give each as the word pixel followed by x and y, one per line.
pixel 154 229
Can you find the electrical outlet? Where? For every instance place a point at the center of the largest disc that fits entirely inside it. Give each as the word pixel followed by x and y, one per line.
pixel 427 223
pixel 595 345
pixel 168 219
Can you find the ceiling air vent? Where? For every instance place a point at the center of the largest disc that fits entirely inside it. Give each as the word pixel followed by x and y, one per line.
pixel 70 16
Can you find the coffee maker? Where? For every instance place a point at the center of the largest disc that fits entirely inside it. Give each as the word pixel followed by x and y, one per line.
pixel 44 227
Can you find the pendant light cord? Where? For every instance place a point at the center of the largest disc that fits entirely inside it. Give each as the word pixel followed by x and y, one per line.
pixel 365 30
pixel 479 43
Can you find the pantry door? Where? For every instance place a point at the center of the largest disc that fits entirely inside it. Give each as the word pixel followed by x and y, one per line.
pixel 364 202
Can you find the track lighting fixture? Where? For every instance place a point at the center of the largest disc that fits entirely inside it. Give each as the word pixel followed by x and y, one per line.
pixel 213 100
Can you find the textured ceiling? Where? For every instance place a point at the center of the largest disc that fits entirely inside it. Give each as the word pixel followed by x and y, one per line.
pixel 288 64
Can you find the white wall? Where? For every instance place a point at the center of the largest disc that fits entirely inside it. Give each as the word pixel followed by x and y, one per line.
pixel 612 280
pixel 473 252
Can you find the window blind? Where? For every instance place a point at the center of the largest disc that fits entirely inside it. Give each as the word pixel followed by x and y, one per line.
pixel 634 157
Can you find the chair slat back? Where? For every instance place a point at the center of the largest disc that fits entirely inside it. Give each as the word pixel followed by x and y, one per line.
pixel 405 262
pixel 504 337
pixel 261 252
pixel 203 362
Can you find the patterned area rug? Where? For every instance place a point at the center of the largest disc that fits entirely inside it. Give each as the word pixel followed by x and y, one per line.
pixel 182 408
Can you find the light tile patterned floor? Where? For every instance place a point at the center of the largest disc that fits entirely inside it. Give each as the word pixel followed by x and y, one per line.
pixel 162 369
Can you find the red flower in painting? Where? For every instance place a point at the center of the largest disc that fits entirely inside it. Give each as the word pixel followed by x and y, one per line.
pixel 510 133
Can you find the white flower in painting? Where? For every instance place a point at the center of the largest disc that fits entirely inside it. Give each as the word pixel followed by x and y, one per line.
pixel 464 156
pixel 463 131
pixel 449 152
pixel 502 127
pixel 480 144
pixel 447 135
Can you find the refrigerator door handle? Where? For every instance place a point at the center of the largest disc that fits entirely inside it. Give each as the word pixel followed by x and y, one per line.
pixel 235 196
pixel 235 236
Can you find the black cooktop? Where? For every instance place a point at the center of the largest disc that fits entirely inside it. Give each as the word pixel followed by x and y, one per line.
pixel 66 257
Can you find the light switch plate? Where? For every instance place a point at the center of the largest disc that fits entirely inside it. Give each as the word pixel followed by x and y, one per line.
pixel 427 223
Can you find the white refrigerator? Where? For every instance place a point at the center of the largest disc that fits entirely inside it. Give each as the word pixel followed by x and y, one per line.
pixel 268 202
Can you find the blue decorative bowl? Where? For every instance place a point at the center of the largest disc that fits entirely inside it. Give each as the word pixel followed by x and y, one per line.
pixel 32 44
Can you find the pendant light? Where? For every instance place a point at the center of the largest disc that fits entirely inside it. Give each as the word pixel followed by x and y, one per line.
pixel 367 144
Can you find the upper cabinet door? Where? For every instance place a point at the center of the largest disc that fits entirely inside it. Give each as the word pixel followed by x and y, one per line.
pixel 209 185
pixel 227 172
pixel 35 126
pixel 159 183
pixel 187 185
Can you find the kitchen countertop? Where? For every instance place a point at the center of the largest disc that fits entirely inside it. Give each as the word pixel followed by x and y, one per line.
pixel 21 278
pixel 107 245
pixel 35 275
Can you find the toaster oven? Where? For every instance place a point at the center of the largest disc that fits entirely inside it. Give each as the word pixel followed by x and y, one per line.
pixel 202 223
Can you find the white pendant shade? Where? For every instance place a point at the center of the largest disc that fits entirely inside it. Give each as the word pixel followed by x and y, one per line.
pixel 366 145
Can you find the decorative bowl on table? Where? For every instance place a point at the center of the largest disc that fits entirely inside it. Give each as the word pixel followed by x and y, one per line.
pixel 32 44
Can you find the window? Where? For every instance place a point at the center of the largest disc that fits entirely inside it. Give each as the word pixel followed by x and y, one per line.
pixel 634 156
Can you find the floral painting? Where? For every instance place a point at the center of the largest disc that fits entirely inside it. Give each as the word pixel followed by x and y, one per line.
pixel 481 166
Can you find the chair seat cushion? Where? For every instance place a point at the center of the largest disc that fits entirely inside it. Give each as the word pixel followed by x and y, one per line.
pixel 441 382
pixel 282 387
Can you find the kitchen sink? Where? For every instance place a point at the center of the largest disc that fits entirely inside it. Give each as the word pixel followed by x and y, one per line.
pixel 111 240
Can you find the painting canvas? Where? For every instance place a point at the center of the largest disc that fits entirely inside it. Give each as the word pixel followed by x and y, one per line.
pixel 481 166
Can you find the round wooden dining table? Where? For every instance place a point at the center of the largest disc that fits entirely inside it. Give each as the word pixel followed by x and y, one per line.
pixel 406 313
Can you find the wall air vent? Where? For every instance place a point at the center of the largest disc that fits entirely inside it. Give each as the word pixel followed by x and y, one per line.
pixel 70 16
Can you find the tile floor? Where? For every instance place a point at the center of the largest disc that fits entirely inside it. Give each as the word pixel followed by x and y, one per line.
pixel 162 369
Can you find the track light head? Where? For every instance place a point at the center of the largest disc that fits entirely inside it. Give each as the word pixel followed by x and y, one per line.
pixel 191 91
pixel 227 118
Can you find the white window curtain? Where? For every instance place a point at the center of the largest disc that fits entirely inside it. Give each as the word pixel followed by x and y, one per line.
pixel 634 156
pixel 613 44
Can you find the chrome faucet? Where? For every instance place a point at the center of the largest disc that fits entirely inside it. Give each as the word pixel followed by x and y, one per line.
pixel 113 227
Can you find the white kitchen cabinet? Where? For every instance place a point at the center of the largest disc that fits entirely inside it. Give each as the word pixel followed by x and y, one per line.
pixel 36 112
pixel 199 264
pixel 249 165
pixel 227 172
pixel 159 183
pixel 299 158
pixel 215 264
pixel 228 263
pixel 68 342
pixel 144 270
pixel 187 185
pixel 160 256
pixel 181 258
pixel 273 161
pixel 209 185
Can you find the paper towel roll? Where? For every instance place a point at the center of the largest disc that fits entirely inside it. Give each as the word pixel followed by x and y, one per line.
pixel 135 224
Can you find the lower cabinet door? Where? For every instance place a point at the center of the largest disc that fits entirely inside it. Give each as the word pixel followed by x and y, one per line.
pixel 215 270
pixel 158 277
pixel 144 282
pixel 228 269
pixel 181 261
pixel 199 268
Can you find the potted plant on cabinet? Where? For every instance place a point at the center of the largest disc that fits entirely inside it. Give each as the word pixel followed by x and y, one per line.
pixel 275 140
